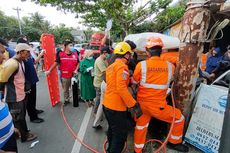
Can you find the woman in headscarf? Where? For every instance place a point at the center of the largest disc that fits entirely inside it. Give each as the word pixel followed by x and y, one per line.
pixel 88 92
pixel 222 67
pixel 213 60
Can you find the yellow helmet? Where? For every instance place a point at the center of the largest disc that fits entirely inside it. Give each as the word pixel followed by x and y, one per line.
pixel 122 48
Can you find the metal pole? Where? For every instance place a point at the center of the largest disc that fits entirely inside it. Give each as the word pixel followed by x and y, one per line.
pixel 195 24
pixel 225 135
pixel 19 23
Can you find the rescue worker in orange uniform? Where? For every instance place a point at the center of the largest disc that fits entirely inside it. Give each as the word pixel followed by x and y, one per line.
pixel 153 77
pixel 203 61
pixel 171 56
pixel 117 99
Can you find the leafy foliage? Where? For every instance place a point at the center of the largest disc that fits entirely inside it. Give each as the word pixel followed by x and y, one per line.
pixel 124 13
pixel 62 33
pixel 163 19
pixel 8 26
pixel 32 27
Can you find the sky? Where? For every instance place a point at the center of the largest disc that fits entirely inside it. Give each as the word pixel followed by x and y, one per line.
pixel 54 16
pixel 51 14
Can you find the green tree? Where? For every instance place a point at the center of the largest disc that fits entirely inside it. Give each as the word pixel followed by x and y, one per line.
pixel 169 16
pixel 34 26
pixel 38 21
pixel 163 19
pixel 125 13
pixel 88 32
pixel 62 33
pixel 8 27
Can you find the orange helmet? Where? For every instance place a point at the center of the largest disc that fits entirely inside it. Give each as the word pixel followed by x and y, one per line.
pixel 155 41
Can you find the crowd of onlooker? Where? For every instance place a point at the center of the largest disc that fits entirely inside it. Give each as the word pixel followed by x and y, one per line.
pixel 18 81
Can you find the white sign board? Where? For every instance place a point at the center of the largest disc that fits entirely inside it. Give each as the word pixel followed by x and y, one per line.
pixel 109 24
pixel 205 126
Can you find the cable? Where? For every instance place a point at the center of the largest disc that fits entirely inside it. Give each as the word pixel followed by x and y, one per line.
pixel 163 144
pixel 74 134
pixel 79 140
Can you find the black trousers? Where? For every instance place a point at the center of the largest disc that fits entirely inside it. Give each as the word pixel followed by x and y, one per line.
pixel 31 102
pixel 18 112
pixel 118 129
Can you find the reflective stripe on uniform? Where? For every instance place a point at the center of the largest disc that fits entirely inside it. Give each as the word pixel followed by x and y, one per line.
pixel 139 145
pixel 143 71
pixel 180 120
pixel 126 72
pixel 169 72
pixel 133 81
pixel 154 86
pixel 142 127
pixel 176 137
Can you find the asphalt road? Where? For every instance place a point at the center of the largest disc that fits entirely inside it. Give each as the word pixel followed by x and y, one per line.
pixel 53 135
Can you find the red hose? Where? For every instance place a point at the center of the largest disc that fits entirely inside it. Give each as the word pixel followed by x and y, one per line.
pixel 163 144
pixel 74 134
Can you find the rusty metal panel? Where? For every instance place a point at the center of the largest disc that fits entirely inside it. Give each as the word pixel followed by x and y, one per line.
pixel 193 33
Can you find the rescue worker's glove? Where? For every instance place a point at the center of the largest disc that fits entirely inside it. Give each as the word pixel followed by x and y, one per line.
pixel 136 110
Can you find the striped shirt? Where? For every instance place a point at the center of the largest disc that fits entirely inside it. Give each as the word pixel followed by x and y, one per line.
pixel 6 124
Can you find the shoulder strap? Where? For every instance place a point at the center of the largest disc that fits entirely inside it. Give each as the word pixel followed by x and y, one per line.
pixel 18 66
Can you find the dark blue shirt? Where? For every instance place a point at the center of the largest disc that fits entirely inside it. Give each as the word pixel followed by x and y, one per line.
pixel 30 72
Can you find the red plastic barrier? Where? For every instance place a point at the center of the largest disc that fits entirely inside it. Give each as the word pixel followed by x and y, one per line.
pixel 48 44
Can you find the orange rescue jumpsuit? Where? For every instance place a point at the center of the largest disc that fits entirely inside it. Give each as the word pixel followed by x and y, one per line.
pixel 172 57
pixel 116 100
pixel 203 61
pixel 117 96
pixel 153 77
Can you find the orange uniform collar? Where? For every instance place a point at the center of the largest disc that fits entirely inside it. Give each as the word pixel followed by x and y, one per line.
pixel 155 58
pixel 119 60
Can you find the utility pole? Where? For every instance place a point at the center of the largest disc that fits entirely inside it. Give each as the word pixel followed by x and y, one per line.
pixel 19 22
pixel 195 24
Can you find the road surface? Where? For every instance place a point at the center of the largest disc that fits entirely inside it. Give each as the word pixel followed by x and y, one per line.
pixel 53 135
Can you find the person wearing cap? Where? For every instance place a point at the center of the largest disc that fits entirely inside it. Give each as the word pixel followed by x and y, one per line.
pixel 31 84
pixel 12 76
pixel 153 77
pixel 99 75
pixel 117 99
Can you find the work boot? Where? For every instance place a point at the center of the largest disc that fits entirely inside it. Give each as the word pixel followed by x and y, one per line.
pixel 39 111
pixel 29 137
pixel 37 120
pixel 178 147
